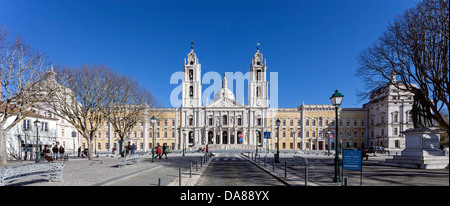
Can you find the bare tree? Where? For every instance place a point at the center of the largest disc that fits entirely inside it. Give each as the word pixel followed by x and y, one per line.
pixel 22 68
pixel 415 48
pixel 84 97
pixel 129 107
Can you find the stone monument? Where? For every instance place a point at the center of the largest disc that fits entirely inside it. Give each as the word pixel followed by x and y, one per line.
pixel 422 148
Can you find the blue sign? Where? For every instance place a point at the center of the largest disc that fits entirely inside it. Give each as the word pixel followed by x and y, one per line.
pixel 240 139
pixel 351 159
pixel 330 140
pixel 266 135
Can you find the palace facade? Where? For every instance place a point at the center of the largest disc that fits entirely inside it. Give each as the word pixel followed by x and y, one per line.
pixel 225 123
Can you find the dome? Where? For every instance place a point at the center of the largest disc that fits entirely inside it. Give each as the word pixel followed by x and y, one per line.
pixel 224 92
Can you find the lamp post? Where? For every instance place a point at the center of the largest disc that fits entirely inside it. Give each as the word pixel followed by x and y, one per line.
pixel 256 144
pixel 277 160
pixel 26 143
pixel 336 100
pixel 329 143
pixel 36 123
pixel 184 142
pixel 153 121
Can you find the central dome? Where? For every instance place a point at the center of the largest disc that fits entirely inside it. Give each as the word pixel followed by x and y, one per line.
pixel 224 92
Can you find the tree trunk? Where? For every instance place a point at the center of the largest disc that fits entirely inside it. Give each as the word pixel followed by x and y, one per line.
pixel 3 153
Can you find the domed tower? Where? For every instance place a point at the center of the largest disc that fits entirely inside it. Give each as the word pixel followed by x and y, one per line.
pixel 258 86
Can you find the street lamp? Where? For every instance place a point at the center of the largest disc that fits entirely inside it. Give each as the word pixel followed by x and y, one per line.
pixel 277 160
pixel 336 100
pixel 36 123
pixel 153 121
pixel 256 144
pixel 184 142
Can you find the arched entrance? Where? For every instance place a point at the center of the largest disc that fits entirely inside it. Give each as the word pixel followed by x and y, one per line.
pixel 259 137
pixel 191 138
pixel 210 137
pixel 224 137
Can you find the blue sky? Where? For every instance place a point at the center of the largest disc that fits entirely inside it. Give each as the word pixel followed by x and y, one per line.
pixel 312 44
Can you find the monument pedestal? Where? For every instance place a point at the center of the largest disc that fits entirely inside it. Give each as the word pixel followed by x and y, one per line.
pixel 422 150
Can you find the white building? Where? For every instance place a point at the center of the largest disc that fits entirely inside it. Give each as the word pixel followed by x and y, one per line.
pixel 389 113
pixel 224 123
pixel 23 136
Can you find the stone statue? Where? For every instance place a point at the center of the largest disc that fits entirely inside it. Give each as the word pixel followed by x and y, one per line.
pixel 421 114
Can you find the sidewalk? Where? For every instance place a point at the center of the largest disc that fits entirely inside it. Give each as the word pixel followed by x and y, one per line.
pixel 104 170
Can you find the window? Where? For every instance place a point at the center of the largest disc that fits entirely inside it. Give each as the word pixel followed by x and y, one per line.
pixel 355 122
pixel 210 121
pixel 191 121
pixel 239 121
pixel 258 121
pixel 313 122
pixel 307 122
pixel 191 91
pixel 396 131
pixel 225 119
pixel 26 124
pixel 191 73
pixel 44 126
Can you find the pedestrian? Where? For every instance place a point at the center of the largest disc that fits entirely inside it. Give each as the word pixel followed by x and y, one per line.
pixel 55 152
pixel 113 150
pixel 207 149
pixel 79 151
pixel 158 150
pixel 61 151
pixel 133 147
pixel 164 150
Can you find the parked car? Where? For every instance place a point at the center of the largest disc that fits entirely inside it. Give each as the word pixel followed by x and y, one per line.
pixel 377 149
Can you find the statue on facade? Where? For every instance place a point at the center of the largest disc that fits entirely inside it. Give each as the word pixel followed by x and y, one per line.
pixel 421 114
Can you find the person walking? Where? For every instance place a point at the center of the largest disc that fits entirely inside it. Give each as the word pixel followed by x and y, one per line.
pixel 133 148
pixel 158 151
pixel 55 152
pixel 79 151
pixel 164 150
pixel 61 151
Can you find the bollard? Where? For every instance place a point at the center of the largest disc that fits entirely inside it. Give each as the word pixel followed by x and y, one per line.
pixel 190 170
pixel 345 182
pixel 285 169
pixel 159 181
pixel 196 165
pixel 265 160
pixel 179 174
pixel 306 176
pixel 273 166
pixel 201 161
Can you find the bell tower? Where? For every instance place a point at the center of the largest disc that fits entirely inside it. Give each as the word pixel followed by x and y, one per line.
pixel 192 88
pixel 258 86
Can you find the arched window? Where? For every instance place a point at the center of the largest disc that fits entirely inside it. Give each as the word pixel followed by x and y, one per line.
pixel 258 91
pixel 191 91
